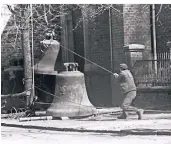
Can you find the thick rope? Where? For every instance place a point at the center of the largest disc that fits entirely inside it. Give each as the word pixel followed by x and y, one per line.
pixel 88 60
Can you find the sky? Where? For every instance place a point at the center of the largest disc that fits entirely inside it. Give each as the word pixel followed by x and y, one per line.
pixel 5 15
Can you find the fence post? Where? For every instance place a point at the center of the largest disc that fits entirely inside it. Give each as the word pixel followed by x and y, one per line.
pixel 133 52
pixel 169 46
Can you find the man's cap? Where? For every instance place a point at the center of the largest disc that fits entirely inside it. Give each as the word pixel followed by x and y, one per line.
pixel 123 66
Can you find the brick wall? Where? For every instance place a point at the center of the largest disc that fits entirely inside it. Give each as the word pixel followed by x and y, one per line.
pixel 163 28
pixel 97 49
pixel 117 35
pixel 117 38
pixel 78 37
pixel 130 25
pixel 137 28
pixel 154 99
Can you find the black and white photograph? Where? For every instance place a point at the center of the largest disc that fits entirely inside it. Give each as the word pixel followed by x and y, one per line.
pixel 85 73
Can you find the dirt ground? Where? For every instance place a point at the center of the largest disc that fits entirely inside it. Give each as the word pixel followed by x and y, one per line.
pixel 22 136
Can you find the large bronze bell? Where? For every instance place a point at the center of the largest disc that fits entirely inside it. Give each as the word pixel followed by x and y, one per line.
pixel 70 98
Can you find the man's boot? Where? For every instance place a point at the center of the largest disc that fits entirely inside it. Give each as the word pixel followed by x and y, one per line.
pixel 140 113
pixel 123 116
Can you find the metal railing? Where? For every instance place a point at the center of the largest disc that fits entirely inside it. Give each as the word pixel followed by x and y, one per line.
pixel 147 75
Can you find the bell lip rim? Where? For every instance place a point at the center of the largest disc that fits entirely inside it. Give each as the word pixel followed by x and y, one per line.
pixel 68 73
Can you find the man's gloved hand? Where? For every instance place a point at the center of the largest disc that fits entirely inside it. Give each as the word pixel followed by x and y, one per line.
pixel 115 74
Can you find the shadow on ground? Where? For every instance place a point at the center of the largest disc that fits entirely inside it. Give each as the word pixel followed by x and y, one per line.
pixel 116 132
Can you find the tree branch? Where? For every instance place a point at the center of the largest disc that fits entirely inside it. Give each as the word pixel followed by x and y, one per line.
pixel 11 10
pixel 14 95
pixel 45 16
pixel 159 10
